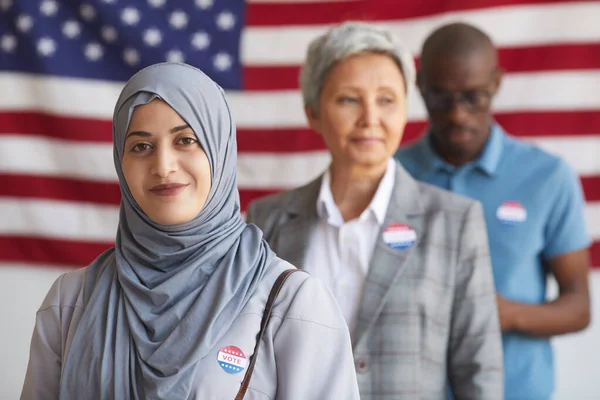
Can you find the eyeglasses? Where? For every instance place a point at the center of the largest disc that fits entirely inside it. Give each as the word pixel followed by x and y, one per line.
pixel 473 100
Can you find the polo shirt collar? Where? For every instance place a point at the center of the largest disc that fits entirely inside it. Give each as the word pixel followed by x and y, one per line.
pixel 487 162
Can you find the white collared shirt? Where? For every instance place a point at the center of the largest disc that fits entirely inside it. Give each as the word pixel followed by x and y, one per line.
pixel 339 252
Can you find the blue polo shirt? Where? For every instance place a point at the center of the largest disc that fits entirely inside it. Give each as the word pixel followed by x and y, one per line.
pixel 534 210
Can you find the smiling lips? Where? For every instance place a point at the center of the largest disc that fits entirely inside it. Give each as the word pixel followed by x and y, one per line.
pixel 169 189
pixel 366 140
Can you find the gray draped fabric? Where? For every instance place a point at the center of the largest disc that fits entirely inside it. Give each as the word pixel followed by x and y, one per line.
pixel 157 302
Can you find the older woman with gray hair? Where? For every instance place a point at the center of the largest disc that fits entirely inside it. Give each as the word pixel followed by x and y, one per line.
pixel 407 262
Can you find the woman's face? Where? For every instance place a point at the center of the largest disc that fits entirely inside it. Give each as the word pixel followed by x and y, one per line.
pixel 362 110
pixel 165 167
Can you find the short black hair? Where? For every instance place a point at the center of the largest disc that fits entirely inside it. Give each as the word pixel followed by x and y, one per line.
pixel 455 40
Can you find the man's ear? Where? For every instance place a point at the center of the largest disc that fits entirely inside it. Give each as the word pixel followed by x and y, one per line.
pixel 497 79
pixel 312 118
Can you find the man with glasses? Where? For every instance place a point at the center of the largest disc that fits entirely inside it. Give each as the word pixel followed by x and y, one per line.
pixel 532 200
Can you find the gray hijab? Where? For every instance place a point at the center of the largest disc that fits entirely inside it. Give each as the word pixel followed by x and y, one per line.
pixel 158 302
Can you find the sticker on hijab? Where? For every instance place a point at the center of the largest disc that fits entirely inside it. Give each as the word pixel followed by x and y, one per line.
pixel 399 236
pixel 511 213
pixel 232 359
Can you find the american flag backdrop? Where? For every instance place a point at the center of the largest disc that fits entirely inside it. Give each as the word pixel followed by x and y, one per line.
pixel 63 63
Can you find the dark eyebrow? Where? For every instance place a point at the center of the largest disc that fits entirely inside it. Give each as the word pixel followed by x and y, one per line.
pixel 146 134
pixel 179 128
pixel 138 133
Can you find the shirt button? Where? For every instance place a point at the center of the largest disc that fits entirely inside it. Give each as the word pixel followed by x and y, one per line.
pixel 362 366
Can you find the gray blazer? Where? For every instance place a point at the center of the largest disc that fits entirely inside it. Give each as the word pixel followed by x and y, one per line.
pixel 428 313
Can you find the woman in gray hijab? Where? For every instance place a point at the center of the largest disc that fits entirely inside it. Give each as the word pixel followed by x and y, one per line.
pixel 174 309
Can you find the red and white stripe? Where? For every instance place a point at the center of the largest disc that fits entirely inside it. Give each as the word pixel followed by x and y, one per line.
pixel 55 150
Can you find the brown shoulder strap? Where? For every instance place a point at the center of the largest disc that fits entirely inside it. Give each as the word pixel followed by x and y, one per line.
pixel 263 327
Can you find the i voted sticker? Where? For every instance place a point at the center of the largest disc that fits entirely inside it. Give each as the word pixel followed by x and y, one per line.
pixel 511 213
pixel 399 236
pixel 232 359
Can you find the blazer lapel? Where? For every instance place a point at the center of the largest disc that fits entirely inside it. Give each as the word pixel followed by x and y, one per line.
pixel 294 235
pixel 387 263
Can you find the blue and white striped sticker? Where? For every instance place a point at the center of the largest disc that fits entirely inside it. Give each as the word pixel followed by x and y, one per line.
pixel 511 213
pixel 399 236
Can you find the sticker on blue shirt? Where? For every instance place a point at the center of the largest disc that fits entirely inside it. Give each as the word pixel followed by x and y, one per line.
pixel 399 236
pixel 232 359
pixel 511 213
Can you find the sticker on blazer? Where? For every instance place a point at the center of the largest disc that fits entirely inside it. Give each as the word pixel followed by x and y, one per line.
pixel 232 359
pixel 399 236
pixel 511 212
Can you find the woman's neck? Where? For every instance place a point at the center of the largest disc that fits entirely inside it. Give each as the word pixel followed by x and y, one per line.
pixel 353 187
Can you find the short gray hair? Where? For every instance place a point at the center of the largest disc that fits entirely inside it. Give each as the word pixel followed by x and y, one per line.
pixel 343 41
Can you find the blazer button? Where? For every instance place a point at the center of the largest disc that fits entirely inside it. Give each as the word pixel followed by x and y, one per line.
pixel 362 366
